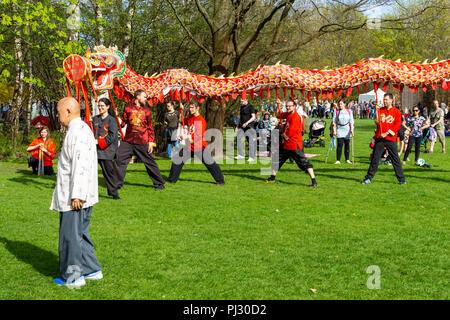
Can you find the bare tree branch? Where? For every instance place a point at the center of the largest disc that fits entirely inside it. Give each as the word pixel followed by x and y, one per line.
pixel 191 36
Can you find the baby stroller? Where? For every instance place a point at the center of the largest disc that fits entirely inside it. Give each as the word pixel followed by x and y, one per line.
pixel 316 134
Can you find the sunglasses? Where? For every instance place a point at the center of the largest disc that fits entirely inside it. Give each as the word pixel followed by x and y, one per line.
pixel 416 110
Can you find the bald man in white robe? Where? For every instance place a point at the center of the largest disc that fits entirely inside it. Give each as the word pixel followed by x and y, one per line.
pixel 75 193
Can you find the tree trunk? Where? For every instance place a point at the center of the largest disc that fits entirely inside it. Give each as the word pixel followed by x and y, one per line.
pixel 127 38
pixel 99 22
pixel 30 86
pixel 18 84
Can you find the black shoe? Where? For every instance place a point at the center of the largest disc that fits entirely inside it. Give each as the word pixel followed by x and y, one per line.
pixel 269 180
pixel 116 197
pixel 160 187
pixel 168 181
pixel 313 185
pixel 220 183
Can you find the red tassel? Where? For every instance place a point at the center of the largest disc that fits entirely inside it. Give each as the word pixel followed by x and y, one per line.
pixel 330 95
pixel 188 96
pixel 339 93
pixel 183 94
pixel 268 92
pixel 227 98
pixel 385 87
pixel 252 94
pixel 261 93
pixel 68 87
pixel 284 91
pixel 161 97
pixel 434 86
pixel 277 94
pixel 424 88
pixel 244 94
pixel 303 94
pixel 444 85
pixel 348 93
pixel 292 94
pixel 365 86
pixel 177 95
pixel 324 95
pixel 234 95
pixel 171 94
pixel 357 87
pixel 308 96
pixel 317 96
pixel 201 100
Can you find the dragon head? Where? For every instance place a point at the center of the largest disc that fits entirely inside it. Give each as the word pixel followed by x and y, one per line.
pixel 107 64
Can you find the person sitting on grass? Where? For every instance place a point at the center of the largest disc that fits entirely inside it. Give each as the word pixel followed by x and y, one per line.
pixel 43 152
pixel 292 145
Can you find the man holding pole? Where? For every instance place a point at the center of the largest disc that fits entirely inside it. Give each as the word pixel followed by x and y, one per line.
pixel 292 145
pixel 388 120
pixel 139 140
pixel 197 146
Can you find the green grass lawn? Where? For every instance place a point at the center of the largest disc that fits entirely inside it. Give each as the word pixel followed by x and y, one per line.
pixel 245 240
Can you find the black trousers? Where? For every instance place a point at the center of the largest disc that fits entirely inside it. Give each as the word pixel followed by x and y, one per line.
pixel 48 170
pixel 125 152
pixel 413 141
pixel 109 173
pixel 343 142
pixel 179 160
pixel 378 150
pixel 297 155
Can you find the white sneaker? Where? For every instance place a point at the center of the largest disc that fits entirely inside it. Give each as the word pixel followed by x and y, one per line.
pixel 75 284
pixel 348 161
pixel 337 162
pixel 251 159
pixel 239 157
pixel 94 275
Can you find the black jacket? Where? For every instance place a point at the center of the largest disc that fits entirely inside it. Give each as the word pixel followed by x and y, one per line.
pixel 106 132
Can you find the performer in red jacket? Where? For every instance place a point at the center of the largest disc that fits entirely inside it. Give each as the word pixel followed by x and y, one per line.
pixel 388 120
pixel 197 147
pixel 139 140
pixel 291 145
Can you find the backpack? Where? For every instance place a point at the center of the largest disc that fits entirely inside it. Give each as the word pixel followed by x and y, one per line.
pixel 432 135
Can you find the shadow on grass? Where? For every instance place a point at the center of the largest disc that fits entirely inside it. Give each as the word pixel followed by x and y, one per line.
pixel 43 261
pixel 26 177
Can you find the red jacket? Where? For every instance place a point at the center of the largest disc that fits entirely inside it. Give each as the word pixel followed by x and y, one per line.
pixel 292 129
pixel 49 145
pixel 197 127
pixel 139 125
pixel 389 121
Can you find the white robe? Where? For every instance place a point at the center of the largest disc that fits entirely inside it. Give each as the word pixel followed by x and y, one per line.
pixel 77 176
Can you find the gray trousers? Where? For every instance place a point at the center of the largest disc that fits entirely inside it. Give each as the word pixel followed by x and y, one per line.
pixel 250 134
pixel 76 250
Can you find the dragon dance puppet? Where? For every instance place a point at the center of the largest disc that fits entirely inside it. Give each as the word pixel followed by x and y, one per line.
pixel 106 69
